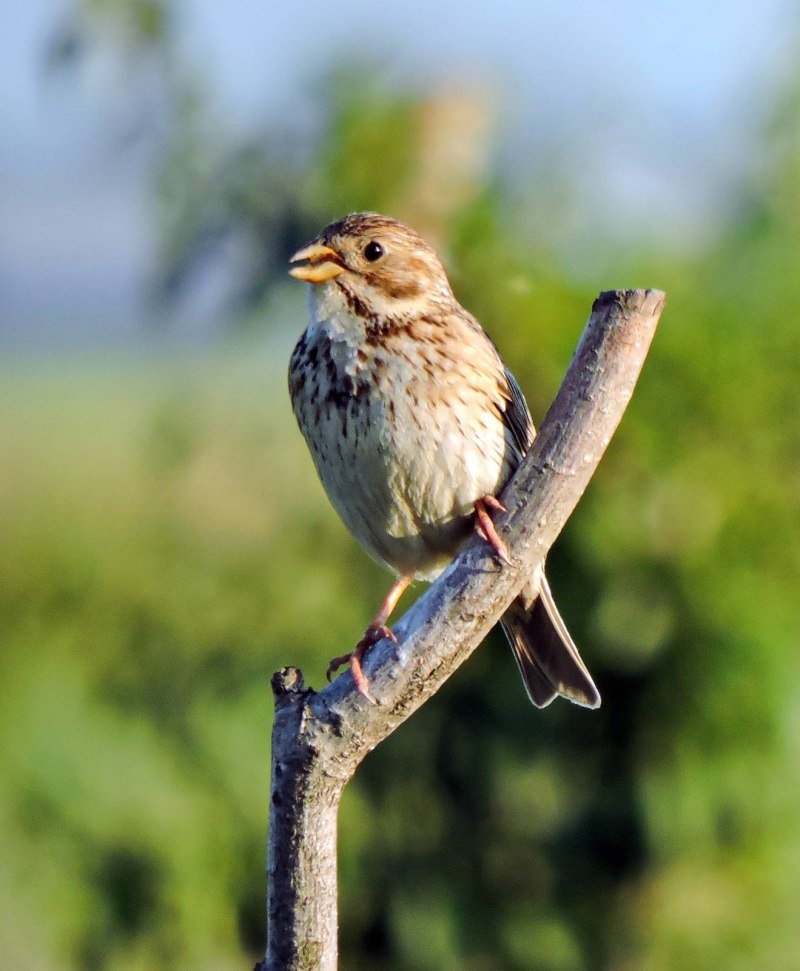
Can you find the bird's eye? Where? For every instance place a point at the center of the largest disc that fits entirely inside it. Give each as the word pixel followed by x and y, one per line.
pixel 373 251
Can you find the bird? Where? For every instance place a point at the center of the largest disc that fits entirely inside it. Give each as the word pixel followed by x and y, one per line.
pixel 415 425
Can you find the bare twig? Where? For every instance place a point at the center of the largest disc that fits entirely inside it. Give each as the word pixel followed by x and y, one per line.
pixel 319 738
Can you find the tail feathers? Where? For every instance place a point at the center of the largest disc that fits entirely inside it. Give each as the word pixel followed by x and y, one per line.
pixel 548 660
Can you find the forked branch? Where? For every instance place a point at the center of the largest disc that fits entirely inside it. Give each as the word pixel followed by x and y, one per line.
pixel 319 738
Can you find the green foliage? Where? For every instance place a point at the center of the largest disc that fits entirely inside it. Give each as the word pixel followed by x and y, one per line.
pixel 168 547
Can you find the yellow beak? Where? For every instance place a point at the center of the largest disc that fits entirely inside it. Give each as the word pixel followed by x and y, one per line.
pixel 321 263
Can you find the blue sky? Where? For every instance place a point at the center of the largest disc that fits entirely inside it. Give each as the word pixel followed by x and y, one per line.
pixel 665 97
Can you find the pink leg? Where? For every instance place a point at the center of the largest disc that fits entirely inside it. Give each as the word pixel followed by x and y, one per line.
pixel 376 631
pixel 485 526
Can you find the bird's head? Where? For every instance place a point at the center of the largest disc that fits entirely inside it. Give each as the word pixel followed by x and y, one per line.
pixel 378 261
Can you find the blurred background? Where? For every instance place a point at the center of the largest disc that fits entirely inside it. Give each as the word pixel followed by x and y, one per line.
pixel 166 546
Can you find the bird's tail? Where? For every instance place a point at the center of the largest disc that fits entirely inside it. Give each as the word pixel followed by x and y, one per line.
pixel 548 660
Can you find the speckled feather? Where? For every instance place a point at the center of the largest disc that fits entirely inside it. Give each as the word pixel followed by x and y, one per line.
pixel 411 417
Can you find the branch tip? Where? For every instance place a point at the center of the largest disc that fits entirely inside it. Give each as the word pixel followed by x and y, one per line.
pixel 650 301
pixel 288 680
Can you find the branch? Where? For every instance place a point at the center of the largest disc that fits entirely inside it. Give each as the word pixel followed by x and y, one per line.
pixel 319 738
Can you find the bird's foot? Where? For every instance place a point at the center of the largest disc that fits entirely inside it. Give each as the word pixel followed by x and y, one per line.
pixel 373 634
pixel 485 527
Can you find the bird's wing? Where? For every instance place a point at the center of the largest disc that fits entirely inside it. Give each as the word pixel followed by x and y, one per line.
pixel 517 416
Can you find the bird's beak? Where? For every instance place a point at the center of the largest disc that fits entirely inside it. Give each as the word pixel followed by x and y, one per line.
pixel 320 263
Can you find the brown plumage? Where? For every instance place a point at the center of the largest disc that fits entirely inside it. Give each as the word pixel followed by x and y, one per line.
pixel 415 425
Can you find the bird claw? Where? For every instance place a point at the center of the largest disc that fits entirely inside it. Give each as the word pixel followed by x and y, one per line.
pixel 494 503
pixel 335 663
pixel 373 634
pixel 486 529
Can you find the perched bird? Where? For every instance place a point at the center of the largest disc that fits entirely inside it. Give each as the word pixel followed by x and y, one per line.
pixel 415 425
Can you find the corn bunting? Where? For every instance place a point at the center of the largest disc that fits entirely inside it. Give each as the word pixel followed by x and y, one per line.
pixel 415 425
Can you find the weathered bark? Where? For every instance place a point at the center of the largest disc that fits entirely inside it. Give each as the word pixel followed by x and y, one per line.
pixel 319 738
